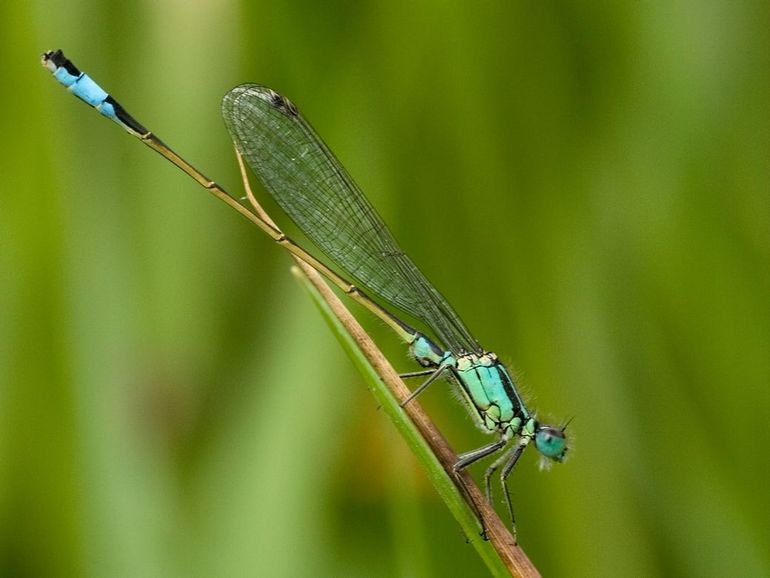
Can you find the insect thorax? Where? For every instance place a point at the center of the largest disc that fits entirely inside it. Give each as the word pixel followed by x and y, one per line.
pixel 491 392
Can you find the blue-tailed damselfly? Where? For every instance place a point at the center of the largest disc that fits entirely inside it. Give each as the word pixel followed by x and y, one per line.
pixel 312 187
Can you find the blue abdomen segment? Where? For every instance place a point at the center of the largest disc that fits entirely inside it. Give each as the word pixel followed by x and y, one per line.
pixel 427 353
pixel 83 86
pixel 491 391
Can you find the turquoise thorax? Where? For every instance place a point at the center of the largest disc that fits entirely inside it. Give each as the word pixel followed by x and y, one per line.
pixel 485 382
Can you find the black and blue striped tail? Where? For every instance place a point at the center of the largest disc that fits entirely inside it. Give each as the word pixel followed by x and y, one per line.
pixel 82 86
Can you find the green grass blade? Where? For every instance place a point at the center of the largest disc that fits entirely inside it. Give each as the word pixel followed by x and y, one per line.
pixel 350 338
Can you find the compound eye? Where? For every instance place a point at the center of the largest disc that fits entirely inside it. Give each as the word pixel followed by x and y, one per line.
pixel 551 443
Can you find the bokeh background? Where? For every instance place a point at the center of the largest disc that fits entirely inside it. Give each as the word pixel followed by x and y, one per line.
pixel 586 182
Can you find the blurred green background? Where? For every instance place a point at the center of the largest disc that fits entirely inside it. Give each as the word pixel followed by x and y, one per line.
pixel 586 182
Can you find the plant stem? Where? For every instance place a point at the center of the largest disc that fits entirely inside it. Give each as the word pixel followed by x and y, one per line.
pixel 458 490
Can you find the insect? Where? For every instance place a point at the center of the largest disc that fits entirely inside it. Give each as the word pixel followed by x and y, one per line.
pixel 317 193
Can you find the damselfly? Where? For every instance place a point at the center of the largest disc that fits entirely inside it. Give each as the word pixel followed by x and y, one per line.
pixel 312 187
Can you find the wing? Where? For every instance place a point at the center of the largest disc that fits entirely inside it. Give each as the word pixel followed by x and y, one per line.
pixel 313 188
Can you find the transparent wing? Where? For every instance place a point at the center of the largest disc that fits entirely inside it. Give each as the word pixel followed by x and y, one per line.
pixel 313 188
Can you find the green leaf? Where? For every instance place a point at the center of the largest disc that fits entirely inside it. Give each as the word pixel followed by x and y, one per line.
pixel 422 450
